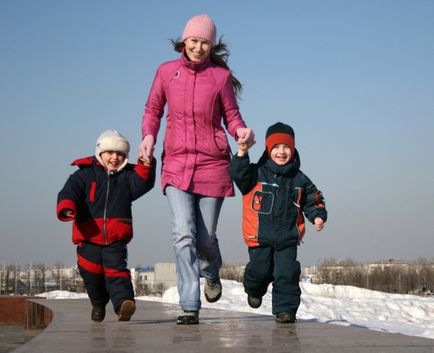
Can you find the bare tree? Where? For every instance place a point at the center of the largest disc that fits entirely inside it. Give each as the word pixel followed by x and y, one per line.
pixel 232 272
pixel 387 275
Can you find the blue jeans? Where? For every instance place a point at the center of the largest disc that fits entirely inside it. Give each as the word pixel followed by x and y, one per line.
pixel 197 253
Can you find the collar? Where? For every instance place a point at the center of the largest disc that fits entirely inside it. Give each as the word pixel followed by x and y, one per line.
pixel 91 160
pixel 192 65
pixel 122 166
pixel 286 169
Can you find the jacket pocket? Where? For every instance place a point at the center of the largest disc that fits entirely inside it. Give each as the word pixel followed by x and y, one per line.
pixel 170 136
pixel 125 220
pixel 221 142
pixel 296 196
pixel 262 202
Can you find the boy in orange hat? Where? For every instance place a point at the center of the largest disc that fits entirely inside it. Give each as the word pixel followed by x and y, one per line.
pixel 276 197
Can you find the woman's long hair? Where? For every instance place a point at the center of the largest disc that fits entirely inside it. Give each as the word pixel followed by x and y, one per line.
pixel 219 55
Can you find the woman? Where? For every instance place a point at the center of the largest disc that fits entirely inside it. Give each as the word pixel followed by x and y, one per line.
pixel 200 92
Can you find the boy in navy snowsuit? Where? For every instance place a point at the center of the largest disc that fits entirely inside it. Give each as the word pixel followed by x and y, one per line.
pixel 97 198
pixel 276 197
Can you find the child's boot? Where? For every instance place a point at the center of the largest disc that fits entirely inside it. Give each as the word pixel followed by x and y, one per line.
pixel 254 302
pixel 126 310
pixel 286 317
pixel 98 313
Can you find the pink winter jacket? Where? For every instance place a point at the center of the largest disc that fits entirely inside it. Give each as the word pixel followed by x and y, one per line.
pixel 196 152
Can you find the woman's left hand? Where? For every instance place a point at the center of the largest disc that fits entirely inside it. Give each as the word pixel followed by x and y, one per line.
pixel 246 135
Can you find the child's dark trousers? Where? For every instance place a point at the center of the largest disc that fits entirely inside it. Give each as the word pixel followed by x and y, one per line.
pixel 280 267
pixel 105 273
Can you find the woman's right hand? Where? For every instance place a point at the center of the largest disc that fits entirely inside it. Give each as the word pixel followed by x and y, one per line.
pixel 146 149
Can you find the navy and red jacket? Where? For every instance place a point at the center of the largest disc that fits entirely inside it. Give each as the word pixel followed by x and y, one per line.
pixel 101 200
pixel 275 200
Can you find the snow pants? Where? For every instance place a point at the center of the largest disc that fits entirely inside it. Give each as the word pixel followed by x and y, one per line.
pixel 105 273
pixel 280 267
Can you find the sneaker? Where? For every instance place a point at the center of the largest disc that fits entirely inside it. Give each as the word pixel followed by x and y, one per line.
pixel 188 317
pixel 98 313
pixel 254 302
pixel 285 317
pixel 126 310
pixel 213 290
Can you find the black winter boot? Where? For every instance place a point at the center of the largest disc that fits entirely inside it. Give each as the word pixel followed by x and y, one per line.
pixel 286 317
pixel 254 302
pixel 98 313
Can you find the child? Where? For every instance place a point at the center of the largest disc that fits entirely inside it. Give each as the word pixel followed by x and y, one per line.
pixel 276 194
pixel 98 197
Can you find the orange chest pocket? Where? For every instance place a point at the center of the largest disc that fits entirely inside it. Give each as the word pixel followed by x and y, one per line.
pixel 262 202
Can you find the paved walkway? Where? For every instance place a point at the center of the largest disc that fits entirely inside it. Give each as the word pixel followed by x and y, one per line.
pixel 153 329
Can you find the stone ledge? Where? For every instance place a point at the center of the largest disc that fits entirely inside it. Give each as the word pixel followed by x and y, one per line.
pixel 23 310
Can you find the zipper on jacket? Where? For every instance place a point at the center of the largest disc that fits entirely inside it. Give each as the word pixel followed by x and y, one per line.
pixel 104 222
pixel 287 197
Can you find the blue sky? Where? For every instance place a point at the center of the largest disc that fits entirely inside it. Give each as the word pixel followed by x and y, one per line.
pixel 355 79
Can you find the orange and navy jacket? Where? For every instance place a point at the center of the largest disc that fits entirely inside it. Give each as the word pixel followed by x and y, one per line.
pixel 275 200
pixel 101 200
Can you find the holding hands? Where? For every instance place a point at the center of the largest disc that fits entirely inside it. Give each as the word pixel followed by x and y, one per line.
pixel 146 150
pixel 246 139
pixel 246 135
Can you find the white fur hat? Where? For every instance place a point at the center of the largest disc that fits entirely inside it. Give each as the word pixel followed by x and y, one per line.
pixel 112 140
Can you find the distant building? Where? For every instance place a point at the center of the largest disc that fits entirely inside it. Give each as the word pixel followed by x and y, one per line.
pixel 308 274
pixel 149 279
pixel 165 273
pixel 142 277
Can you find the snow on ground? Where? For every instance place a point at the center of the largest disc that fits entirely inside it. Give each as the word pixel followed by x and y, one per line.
pixel 341 305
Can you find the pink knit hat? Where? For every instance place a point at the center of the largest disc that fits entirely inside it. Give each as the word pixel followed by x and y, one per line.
pixel 201 26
